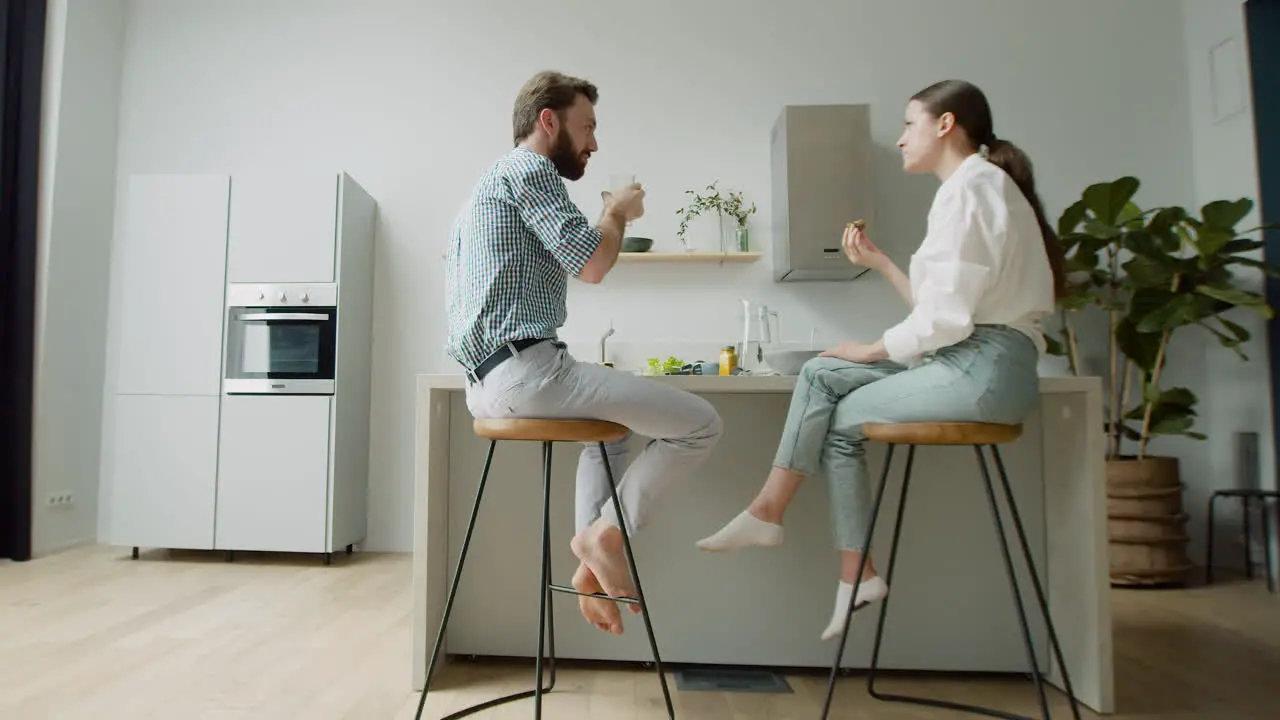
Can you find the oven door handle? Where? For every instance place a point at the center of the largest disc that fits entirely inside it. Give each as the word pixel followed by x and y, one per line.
pixel 284 316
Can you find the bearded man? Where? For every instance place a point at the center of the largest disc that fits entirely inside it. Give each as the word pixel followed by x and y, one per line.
pixel 515 243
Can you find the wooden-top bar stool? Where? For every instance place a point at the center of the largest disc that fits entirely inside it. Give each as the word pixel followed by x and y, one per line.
pixel 977 435
pixel 548 432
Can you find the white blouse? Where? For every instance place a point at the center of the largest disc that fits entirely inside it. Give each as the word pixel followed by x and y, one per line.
pixel 982 262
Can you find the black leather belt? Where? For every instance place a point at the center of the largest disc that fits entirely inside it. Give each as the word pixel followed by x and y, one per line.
pixel 501 355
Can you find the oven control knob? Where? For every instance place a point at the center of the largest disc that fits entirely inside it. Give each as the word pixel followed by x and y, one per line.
pixel 282 297
pixel 262 295
pixel 305 298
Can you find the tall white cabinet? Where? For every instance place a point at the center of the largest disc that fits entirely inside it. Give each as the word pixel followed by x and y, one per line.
pixel 186 466
pixel 171 276
pixel 163 402
pixel 282 229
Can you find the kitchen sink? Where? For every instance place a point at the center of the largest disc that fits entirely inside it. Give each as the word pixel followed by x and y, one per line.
pixel 788 361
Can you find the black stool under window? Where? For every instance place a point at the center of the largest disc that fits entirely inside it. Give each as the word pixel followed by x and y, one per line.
pixel 977 435
pixel 1246 496
pixel 547 432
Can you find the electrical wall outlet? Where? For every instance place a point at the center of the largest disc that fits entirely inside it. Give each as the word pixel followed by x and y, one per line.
pixel 65 499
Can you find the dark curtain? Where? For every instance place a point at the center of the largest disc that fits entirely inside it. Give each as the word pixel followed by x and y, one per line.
pixel 1262 21
pixel 21 60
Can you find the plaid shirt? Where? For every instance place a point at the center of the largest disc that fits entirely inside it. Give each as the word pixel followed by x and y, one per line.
pixel 514 244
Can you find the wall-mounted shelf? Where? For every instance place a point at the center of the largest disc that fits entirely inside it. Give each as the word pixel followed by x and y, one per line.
pixel 695 257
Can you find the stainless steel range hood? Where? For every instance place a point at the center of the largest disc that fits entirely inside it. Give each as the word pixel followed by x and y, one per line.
pixel 821 166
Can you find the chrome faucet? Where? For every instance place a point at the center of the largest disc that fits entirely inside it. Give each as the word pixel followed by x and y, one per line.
pixel 603 338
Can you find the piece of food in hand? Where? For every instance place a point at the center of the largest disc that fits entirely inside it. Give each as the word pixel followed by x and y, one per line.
pixel 858 224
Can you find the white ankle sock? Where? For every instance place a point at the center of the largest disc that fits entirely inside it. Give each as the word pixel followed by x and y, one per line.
pixel 744 530
pixel 869 590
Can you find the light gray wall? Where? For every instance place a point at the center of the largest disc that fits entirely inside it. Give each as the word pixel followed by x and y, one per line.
pixel 85 43
pixel 381 89
pixel 378 90
pixel 1233 394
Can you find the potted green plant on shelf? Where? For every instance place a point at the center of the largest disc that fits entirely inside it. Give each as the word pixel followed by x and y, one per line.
pixel 730 205
pixel 1151 273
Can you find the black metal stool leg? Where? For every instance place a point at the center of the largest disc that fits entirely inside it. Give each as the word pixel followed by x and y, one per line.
pixel 884 611
pixel 457 575
pixel 544 590
pixel 1266 544
pixel 1013 586
pixel 857 580
pixel 635 577
pixel 1245 505
pixel 1035 582
pixel 893 560
pixel 1013 581
pixel 1208 542
pixel 547 585
pixel 544 585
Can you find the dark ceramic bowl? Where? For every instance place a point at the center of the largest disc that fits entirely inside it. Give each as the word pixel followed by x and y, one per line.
pixel 636 244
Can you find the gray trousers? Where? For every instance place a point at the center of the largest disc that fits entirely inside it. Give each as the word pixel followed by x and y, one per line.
pixel 545 381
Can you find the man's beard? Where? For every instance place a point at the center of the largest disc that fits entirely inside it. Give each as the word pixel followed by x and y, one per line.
pixel 567 159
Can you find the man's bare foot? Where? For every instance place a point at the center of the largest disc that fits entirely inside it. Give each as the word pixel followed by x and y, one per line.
pixel 599 612
pixel 600 548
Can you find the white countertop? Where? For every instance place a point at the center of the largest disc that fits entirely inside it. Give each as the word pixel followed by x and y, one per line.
pixel 763 383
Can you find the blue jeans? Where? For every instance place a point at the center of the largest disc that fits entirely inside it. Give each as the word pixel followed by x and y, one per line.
pixel 990 376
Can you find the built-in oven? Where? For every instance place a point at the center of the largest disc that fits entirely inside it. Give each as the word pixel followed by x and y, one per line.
pixel 281 339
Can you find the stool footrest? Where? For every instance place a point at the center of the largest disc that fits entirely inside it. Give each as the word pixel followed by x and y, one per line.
pixel 948 705
pixel 493 703
pixel 570 591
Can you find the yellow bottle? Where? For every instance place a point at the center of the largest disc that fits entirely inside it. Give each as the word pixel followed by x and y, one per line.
pixel 728 360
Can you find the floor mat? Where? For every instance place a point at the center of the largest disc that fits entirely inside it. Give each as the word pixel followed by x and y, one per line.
pixel 730 680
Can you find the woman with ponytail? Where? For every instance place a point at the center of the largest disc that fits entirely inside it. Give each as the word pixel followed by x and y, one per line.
pixel 978 286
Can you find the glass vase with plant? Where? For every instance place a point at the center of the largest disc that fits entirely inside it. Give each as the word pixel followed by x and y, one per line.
pixel 731 209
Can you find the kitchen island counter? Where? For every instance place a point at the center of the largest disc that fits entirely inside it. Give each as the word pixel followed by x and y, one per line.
pixel 952 609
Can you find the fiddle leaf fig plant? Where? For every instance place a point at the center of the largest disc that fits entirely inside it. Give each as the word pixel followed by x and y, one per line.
pixel 1153 272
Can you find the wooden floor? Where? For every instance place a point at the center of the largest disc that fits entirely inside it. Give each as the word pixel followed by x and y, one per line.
pixel 90 633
